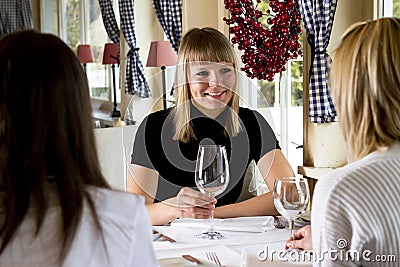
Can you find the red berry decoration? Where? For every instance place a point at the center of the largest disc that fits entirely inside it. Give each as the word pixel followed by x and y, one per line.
pixel 266 49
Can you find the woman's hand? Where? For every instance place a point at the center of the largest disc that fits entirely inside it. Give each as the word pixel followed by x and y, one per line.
pixel 302 239
pixel 193 204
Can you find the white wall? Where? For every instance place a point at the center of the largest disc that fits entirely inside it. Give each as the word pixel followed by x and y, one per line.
pixel 202 13
pixel 347 13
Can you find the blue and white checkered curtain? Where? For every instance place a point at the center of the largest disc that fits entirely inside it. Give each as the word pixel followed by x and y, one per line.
pixel 135 81
pixel 15 15
pixel 318 18
pixel 169 14
pixel 109 21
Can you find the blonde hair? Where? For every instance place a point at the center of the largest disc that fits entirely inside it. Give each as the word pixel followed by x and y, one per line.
pixel 199 45
pixel 365 85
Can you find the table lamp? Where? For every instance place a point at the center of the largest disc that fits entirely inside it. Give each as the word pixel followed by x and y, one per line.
pixel 84 54
pixel 111 56
pixel 161 54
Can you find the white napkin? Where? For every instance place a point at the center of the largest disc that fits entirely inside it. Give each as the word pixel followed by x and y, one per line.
pixel 255 224
pixel 251 257
pixel 185 237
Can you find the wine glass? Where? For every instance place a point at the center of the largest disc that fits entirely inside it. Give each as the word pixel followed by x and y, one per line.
pixel 212 178
pixel 291 197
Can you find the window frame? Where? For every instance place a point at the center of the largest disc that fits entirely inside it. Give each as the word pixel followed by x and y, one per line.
pixel 84 38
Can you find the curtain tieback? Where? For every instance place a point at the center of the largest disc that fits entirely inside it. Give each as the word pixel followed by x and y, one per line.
pixel 133 52
pixel 323 52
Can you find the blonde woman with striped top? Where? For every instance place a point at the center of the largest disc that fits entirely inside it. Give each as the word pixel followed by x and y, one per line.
pixel 357 207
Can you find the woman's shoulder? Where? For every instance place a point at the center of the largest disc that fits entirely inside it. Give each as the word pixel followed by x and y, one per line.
pixel 119 206
pixel 357 174
pixel 247 113
pixel 370 166
pixel 157 117
pixel 252 119
pixel 160 114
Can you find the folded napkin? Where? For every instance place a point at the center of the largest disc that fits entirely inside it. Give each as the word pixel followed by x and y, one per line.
pixel 255 224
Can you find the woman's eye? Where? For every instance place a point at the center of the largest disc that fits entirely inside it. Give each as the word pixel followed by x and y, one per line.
pixel 202 73
pixel 226 70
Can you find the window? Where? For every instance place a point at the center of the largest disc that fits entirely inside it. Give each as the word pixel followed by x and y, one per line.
pixel 281 103
pixel 389 8
pixel 80 22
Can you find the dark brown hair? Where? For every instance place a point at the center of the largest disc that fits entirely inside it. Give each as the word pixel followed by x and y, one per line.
pixel 46 134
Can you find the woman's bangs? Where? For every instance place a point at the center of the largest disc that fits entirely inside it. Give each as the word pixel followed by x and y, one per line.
pixel 209 54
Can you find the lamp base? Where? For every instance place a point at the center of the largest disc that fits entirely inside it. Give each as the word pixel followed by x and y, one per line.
pixel 115 113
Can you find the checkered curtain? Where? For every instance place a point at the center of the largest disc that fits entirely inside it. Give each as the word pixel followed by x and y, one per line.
pixel 318 18
pixel 169 14
pixel 135 81
pixel 15 15
pixel 109 21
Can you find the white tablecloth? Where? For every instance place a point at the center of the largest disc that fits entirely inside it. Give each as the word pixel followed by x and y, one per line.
pixel 240 249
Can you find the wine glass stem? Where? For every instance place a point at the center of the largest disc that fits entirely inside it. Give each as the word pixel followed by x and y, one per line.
pixel 211 221
pixel 291 225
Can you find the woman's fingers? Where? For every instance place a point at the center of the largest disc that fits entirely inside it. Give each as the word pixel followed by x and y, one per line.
pixel 191 197
pixel 194 212
pixel 301 239
pixel 193 204
pixel 303 232
pixel 298 244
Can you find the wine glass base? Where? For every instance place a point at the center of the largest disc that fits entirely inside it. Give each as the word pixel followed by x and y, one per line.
pixel 211 235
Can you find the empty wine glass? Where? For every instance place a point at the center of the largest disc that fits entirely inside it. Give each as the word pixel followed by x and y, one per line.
pixel 291 197
pixel 212 178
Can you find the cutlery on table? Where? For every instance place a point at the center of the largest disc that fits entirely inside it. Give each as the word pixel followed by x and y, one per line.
pixel 159 235
pixel 212 256
pixel 191 259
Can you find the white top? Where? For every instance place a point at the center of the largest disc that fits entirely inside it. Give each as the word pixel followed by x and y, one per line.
pixel 357 208
pixel 126 227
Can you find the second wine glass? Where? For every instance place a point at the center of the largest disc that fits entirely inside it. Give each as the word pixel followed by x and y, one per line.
pixel 291 197
pixel 212 178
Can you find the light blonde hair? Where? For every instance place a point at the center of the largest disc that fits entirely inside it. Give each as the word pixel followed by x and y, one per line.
pixel 365 84
pixel 201 45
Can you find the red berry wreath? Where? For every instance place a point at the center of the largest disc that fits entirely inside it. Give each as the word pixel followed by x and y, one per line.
pixel 266 49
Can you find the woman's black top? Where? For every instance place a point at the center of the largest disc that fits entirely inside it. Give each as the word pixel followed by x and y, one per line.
pixel 175 161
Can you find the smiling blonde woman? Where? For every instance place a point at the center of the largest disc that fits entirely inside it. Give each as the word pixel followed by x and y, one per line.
pixel 206 112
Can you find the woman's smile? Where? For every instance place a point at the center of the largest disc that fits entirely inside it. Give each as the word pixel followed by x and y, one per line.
pixel 216 95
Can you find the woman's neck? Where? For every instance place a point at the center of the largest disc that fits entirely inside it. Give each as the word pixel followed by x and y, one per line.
pixel 211 113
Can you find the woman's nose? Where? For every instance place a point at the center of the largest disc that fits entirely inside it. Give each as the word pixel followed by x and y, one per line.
pixel 213 81
pixel 212 84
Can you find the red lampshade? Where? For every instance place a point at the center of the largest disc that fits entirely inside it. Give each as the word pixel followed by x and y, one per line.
pixel 84 53
pixel 161 54
pixel 111 54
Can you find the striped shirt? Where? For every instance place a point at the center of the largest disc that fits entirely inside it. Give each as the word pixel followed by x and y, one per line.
pixel 356 212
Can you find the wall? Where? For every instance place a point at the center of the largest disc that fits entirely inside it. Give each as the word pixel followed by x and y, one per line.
pixel 202 13
pixel 35 5
pixel 323 143
pixel 347 13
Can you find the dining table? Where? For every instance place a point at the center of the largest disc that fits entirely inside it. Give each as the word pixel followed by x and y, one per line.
pixel 250 242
